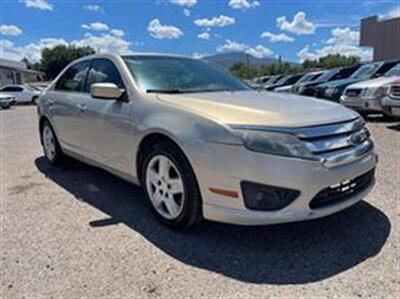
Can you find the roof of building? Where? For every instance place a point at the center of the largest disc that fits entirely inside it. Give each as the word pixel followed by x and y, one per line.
pixel 18 66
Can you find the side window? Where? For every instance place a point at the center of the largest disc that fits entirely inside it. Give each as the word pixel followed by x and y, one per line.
pixel 103 70
pixel 12 89
pixel 74 78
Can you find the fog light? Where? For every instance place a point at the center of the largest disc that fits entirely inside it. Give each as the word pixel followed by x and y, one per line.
pixel 266 198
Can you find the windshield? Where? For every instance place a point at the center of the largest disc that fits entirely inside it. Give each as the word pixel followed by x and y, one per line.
pixel 308 77
pixel 180 75
pixel 365 71
pixel 283 80
pixel 327 75
pixel 394 71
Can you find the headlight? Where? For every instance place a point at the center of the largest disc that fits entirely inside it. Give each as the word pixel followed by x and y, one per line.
pixel 330 91
pixel 273 143
pixel 382 91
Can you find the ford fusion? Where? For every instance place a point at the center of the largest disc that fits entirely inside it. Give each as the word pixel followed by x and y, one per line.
pixel 202 144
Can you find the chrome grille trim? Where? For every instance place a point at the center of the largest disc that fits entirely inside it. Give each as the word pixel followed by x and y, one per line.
pixel 395 91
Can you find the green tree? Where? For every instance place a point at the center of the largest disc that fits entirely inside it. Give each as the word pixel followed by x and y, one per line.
pixel 54 60
pixel 331 61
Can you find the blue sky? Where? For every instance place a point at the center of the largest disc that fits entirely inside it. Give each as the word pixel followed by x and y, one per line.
pixel 296 30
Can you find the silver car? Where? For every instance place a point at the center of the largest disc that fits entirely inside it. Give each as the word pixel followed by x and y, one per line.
pixel 202 144
pixel 391 102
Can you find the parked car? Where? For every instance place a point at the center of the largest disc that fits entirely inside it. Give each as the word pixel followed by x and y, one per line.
pixel 285 81
pixel 203 144
pixel 22 93
pixel 259 82
pixel 306 78
pixel 333 90
pixel 6 100
pixel 309 88
pixel 365 96
pixel 391 102
pixel 272 80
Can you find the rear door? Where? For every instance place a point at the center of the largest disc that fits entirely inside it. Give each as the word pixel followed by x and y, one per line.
pixel 107 131
pixel 66 102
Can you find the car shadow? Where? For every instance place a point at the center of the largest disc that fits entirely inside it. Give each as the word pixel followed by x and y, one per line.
pixel 395 127
pixel 379 118
pixel 281 254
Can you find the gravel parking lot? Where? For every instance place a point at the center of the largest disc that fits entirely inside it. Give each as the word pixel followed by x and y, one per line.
pixel 78 231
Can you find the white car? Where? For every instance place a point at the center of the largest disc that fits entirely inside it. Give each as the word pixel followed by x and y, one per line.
pixel 391 102
pixel 366 96
pixel 6 100
pixel 22 93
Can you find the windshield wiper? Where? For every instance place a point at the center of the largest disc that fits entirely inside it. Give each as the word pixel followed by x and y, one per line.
pixel 172 91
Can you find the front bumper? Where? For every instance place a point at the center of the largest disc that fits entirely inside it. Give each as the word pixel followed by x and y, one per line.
pixel 5 103
pixel 391 106
pixel 226 166
pixel 362 104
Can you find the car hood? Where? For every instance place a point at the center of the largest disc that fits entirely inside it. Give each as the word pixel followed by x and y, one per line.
pixel 374 82
pixel 338 83
pixel 261 108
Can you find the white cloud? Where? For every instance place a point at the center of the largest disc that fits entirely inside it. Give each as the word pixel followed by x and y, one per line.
pixel 159 31
pixel 186 12
pixel 187 3
pixel 10 30
pixel 204 35
pixel 276 38
pixel 347 50
pixel 39 4
pixel 198 55
pixel 220 21
pixel 394 12
pixel 243 4
pixel 344 36
pixel 343 41
pixel 105 43
pixel 232 46
pixel 31 51
pixel 259 52
pixel 93 8
pixel 117 32
pixel 299 25
pixel 96 26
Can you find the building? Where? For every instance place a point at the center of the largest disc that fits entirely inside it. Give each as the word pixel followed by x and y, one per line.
pixel 383 36
pixel 15 72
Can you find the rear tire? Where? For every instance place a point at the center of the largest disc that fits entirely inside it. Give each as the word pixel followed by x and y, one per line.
pixel 51 146
pixel 170 185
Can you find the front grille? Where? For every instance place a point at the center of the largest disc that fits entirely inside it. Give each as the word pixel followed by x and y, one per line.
pixel 341 192
pixel 336 144
pixel 395 91
pixel 353 92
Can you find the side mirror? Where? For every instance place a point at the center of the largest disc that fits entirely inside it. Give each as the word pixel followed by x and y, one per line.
pixel 106 91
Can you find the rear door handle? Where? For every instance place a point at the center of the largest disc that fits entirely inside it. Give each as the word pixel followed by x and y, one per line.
pixel 82 107
pixel 50 101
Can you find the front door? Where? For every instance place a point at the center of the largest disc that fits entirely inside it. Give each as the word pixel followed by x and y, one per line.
pixel 107 130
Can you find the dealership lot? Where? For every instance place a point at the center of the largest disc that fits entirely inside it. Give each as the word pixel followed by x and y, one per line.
pixel 78 231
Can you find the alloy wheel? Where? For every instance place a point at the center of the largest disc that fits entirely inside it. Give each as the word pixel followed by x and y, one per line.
pixel 164 186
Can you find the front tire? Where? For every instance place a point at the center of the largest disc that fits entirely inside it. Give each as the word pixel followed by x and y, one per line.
pixel 51 146
pixel 171 186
